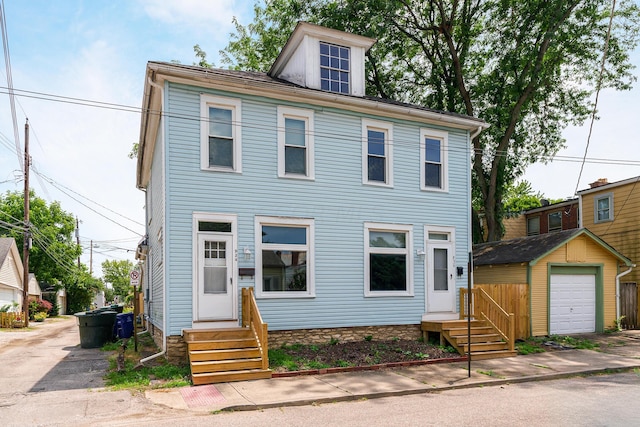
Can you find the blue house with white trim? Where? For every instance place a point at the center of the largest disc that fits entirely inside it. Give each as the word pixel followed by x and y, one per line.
pixel 343 212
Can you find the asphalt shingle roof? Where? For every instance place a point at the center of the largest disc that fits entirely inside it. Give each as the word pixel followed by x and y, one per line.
pixel 5 245
pixel 521 249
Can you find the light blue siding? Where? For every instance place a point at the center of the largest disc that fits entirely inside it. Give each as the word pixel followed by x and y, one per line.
pixel 337 200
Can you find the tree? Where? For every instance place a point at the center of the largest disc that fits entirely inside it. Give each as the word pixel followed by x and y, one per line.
pixel 116 273
pixel 528 68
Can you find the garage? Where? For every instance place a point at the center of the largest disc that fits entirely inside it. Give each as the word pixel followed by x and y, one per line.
pixel 572 303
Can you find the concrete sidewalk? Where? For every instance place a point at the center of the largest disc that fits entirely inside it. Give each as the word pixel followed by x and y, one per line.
pixel 304 390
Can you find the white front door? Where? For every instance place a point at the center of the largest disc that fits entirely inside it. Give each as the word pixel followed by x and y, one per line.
pixel 440 277
pixel 216 289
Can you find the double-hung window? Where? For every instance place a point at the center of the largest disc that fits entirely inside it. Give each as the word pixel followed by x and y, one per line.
pixel 433 160
pixel 295 143
pixel 388 260
pixel 284 257
pixel 377 153
pixel 533 226
pixel 220 147
pixel 555 221
pixel 334 68
pixel 603 208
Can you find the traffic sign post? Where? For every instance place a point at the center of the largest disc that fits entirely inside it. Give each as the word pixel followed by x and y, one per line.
pixel 134 280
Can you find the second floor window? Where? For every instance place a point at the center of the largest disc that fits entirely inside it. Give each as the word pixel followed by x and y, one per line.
pixel 334 68
pixel 604 208
pixel 220 148
pixel 533 226
pixel 555 221
pixel 377 153
pixel 433 160
pixel 295 143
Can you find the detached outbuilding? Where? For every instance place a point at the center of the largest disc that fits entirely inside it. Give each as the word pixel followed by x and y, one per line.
pixel 572 277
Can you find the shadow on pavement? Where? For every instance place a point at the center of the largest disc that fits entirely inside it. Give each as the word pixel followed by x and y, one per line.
pixel 82 368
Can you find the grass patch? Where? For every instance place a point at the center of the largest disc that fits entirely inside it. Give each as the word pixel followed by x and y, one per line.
pixel 527 347
pixel 159 373
pixel 554 342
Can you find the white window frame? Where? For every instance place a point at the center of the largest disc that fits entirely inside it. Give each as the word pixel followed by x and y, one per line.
pixel 408 251
pixel 309 223
pixel 595 208
pixel 444 149
pixel 387 129
pixel 233 104
pixel 307 117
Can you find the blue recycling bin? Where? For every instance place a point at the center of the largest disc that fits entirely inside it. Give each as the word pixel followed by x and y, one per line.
pixel 123 328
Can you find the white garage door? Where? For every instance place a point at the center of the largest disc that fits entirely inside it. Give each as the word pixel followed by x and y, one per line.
pixel 573 304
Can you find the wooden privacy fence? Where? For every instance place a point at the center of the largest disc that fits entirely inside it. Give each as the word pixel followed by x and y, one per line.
pixel 513 298
pixel 629 297
pixel 7 319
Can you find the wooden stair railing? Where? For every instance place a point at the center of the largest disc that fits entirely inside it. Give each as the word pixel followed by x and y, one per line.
pixel 230 354
pixel 483 307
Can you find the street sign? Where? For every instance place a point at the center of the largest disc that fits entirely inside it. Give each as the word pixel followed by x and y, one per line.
pixel 134 278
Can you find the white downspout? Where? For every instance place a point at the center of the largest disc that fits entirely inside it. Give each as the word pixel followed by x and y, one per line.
pixel 618 290
pixel 164 284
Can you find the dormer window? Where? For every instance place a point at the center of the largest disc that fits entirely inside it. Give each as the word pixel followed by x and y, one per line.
pixel 334 68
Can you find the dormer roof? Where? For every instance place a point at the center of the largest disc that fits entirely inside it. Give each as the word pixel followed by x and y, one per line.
pixel 299 60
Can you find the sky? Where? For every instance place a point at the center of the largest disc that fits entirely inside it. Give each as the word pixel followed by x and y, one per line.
pixel 97 50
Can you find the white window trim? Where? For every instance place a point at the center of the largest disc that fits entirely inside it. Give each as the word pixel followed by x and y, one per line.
pixel 378 226
pixel 307 117
pixel 235 105
pixel 213 217
pixel 309 223
pixel 595 208
pixel 451 231
pixel 387 128
pixel 444 149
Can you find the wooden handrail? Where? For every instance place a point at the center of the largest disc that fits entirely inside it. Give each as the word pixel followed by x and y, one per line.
pixel 484 306
pixel 251 318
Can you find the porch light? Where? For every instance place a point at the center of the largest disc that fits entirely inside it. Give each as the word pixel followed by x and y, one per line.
pixel 420 252
pixel 247 253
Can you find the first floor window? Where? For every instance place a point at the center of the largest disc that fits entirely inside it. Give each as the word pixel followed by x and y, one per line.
pixel 284 256
pixel 220 133
pixel 388 263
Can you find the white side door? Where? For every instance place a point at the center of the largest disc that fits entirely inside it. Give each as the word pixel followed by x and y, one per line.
pixel 440 277
pixel 215 282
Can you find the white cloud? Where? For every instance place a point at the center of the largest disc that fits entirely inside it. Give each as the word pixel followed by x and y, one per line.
pixel 210 16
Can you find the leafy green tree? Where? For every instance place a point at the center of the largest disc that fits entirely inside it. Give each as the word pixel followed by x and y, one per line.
pixel 53 253
pixel 528 68
pixel 116 273
pixel 81 290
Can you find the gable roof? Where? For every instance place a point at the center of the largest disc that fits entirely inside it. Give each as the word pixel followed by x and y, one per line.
pixel 5 247
pixel 609 186
pixel 531 249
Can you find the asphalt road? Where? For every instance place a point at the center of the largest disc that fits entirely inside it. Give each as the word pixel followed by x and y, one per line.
pixel 604 400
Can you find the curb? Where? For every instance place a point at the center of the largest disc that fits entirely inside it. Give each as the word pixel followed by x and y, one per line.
pixel 497 382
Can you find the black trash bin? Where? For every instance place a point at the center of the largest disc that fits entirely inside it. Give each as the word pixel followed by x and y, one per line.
pixel 96 327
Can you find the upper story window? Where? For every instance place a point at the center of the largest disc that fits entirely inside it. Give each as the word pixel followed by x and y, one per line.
pixel 334 68
pixel 220 145
pixel 533 226
pixel 603 208
pixel 377 153
pixel 555 221
pixel 433 160
pixel 295 143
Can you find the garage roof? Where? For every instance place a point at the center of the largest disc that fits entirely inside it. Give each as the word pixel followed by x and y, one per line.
pixel 531 249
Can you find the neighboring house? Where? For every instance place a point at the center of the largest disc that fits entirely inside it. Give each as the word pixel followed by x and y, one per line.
pixel 341 210
pixel 35 293
pixel 572 278
pixel 11 274
pixel 610 210
pixel 547 218
pixel 57 296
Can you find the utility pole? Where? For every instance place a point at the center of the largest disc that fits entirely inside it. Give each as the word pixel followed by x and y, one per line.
pixel 78 239
pixel 91 259
pixel 27 235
